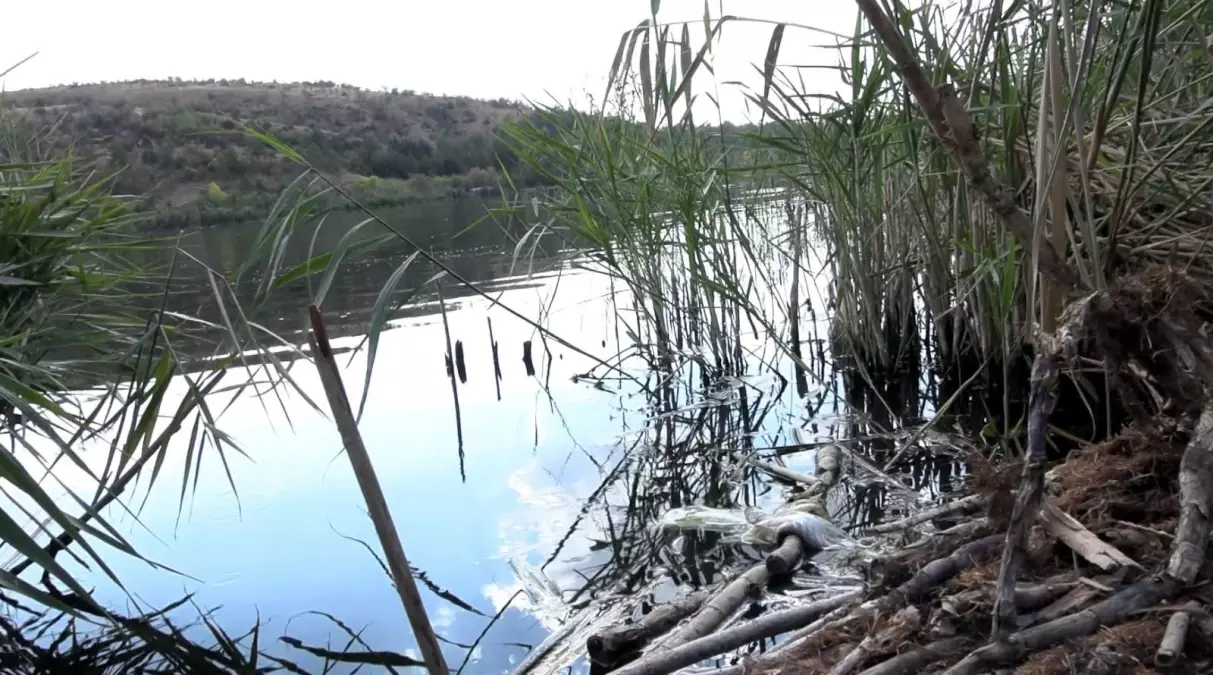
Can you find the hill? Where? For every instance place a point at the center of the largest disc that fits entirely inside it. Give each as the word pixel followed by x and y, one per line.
pixel 179 145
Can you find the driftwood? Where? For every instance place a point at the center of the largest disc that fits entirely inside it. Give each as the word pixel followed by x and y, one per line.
pixel 704 647
pixel 777 653
pixel 1082 541
pixel 938 571
pixel 609 646
pixel 616 645
pixel 829 462
pixel 719 607
pixel 1085 593
pixel 894 568
pixel 1031 489
pixel 913 661
pixel 970 503
pixel 786 558
pixel 1172 645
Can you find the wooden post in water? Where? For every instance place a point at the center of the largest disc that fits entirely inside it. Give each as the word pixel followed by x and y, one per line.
pixel 376 505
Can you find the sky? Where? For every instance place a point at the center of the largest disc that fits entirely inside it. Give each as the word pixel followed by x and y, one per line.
pixel 536 49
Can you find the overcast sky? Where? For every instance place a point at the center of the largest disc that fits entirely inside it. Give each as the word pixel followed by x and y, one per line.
pixel 482 48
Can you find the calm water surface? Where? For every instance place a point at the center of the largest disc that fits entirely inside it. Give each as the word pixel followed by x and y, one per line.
pixel 542 456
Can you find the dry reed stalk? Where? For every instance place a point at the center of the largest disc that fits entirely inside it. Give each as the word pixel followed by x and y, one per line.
pixel 376 504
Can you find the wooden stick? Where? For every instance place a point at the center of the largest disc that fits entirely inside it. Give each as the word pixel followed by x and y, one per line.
pixel 1172 645
pixel 959 506
pixel 771 657
pixel 446 329
pixel 719 607
pixel 1195 501
pixel 360 460
pixel 1031 490
pixel 694 651
pixel 784 559
pixel 915 660
pixel 783 473
pixel 1119 607
pixel 608 645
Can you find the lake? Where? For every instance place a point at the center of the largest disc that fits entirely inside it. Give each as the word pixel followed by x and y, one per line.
pixel 557 484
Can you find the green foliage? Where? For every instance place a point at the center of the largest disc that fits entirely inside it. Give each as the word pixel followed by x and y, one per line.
pixel 172 139
pixel 76 314
pixel 1097 118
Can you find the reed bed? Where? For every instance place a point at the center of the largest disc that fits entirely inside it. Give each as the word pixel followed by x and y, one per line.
pixel 1095 116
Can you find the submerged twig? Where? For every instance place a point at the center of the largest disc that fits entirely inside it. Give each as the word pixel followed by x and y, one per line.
pixel 446 328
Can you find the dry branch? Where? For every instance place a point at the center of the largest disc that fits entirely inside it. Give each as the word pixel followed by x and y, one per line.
pixel 1042 400
pixel 915 660
pixel 608 646
pixel 777 654
pixel 1196 501
pixel 969 503
pixel 783 473
pixel 785 559
pixel 938 571
pixel 900 627
pixel 376 504
pixel 719 607
pixel 1117 608
pixel 694 651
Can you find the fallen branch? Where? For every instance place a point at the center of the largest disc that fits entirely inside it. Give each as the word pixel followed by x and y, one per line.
pixel 608 646
pixel 915 660
pixel 938 571
pixel 786 558
pixel 783 473
pixel 970 503
pixel 776 654
pixel 719 607
pixel 694 651
pixel 1031 490
pixel 893 569
pixel 1115 609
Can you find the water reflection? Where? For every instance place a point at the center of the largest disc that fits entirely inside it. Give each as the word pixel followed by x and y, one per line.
pixel 565 477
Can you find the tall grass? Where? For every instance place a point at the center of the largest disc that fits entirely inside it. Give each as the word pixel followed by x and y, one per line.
pixel 99 374
pixel 1096 117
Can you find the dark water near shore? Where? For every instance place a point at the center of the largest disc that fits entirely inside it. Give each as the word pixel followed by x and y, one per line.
pixel 561 475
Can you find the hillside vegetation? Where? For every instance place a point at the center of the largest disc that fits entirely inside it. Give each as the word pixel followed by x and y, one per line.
pixel 178 143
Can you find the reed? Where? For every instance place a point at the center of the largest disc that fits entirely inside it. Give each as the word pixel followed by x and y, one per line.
pixel 1095 116
pixel 101 377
